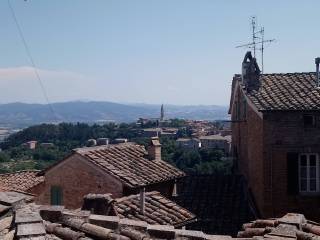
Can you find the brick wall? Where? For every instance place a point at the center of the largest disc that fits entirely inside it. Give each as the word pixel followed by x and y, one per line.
pixel 247 141
pixel 261 143
pixel 77 178
pixel 285 132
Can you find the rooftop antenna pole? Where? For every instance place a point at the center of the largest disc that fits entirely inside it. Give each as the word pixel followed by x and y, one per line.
pixel 253 23
pixel 262 47
pixel 253 44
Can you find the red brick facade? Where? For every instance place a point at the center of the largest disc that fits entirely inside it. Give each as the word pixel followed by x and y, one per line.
pixel 77 177
pixel 261 142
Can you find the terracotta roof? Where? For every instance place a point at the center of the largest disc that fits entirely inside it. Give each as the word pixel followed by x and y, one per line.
pixel 290 226
pixel 158 210
pixel 20 181
pixel 127 162
pixel 286 91
pixel 21 220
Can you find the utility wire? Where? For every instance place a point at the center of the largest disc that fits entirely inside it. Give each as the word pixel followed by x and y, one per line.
pixel 31 60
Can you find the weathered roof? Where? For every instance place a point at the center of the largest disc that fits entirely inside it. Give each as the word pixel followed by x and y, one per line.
pixel 158 210
pixel 127 162
pixel 29 221
pixel 286 91
pixel 290 226
pixel 20 181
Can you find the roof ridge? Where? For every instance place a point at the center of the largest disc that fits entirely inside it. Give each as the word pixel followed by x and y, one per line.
pixel 286 73
pixel 85 149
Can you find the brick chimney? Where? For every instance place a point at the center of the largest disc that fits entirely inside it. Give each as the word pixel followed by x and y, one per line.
pixel 154 149
pixel 250 73
pixel 101 204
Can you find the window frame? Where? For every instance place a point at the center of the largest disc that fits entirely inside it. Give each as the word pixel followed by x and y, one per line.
pixel 313 124
pixel 308 177
pixel 56 195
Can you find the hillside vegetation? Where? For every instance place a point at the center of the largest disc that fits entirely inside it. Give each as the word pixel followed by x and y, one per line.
pixel 67 136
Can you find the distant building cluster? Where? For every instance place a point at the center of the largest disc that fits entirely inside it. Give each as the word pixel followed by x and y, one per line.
pixel 34 144
pixel 207 142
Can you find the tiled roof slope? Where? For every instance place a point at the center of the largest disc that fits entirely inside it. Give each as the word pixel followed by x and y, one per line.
pixel 158 210
pixel 291 226
pixel 27 221
pixel 127 162
pixel 20 181
pixel 286 91
pixel 220 202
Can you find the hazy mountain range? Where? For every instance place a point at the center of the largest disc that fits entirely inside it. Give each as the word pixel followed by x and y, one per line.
pixel 23 114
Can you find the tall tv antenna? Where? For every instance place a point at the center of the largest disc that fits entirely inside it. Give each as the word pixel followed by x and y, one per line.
pixel 257 40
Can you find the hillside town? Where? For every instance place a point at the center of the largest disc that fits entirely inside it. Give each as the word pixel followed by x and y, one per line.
pixel 137 120
pixel 117 188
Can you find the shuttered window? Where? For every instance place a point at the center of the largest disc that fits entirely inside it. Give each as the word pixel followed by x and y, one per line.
pixel 293 173
pixel 56 195
pixel 308 173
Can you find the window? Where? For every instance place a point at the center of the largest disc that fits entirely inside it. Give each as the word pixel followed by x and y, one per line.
pixel 308 173
pixel 56 195
pixel 309 121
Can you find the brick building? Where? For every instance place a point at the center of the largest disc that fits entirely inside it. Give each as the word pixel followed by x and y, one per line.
pixel 216 141
pixel 275 138
pixel 188 143
pixel 119 169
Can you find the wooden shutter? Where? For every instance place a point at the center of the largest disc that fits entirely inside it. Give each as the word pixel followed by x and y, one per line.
pixel 293 173
pixel 56 195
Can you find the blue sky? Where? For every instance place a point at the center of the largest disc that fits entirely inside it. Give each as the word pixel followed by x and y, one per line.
pixel 164 51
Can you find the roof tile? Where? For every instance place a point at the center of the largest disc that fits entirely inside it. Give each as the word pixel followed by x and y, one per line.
pixel 126 162
pixel 286 91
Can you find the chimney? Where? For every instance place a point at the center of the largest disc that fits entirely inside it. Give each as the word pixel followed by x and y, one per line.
pixel 101 204
pixel 154 149
pixel 142 200
pixel 250 73
pixel 102 141
pixel 91 142
pixel 175 190
pixel 317 61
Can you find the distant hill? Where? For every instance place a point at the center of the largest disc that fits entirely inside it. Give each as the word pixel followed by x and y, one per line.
pixel 22 114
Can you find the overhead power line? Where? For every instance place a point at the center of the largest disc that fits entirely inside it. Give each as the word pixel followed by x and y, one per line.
pixel 29 55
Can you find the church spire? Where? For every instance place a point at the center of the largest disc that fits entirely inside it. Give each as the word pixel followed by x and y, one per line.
pixel 162 113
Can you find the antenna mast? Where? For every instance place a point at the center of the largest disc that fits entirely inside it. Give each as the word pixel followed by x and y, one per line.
pixel 253 23
pixel 254 43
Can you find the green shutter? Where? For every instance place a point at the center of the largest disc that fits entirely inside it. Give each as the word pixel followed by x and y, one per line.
pixel 293 173
pixel 56 195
